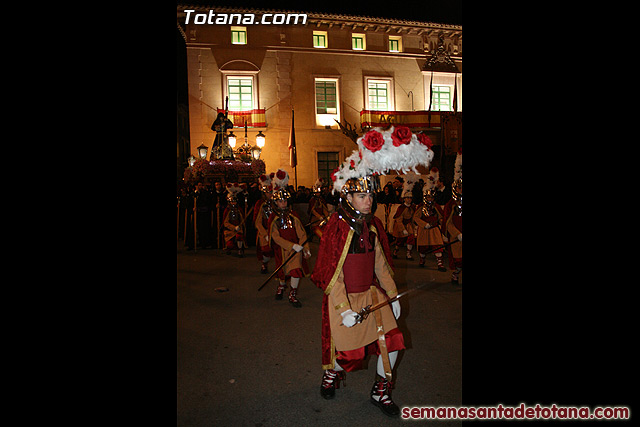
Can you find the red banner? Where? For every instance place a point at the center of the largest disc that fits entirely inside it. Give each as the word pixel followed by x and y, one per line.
pixel 254 118
pixel 411 119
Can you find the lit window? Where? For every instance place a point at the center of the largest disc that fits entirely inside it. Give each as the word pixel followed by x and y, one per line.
pixel 441 98
pixel 240 90
pixel 358 41
pixel 327 101
pixel 320 39
pixel 395 44
pixel 239 35
pixel 378 95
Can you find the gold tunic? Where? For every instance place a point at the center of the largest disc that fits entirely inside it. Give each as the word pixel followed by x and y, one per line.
pixel 286 246
pixel 430 236
pixel 363 333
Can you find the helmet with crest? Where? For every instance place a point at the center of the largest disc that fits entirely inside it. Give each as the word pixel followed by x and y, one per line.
pixel 429 189
pixel 280 181
pixel 265 183
pixel 379 152
pixel 233 188
pixel 317 187
pixel 410 179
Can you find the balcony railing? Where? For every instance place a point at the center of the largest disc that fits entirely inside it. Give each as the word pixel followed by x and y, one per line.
pixel 411 119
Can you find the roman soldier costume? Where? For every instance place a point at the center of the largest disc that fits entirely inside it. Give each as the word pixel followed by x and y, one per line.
pixel 261 213
pixel 318 210
pixel 452 225
pixel 403 229
pixel 286 234
pixel 428 221
pixel 233 221
pixel 354 267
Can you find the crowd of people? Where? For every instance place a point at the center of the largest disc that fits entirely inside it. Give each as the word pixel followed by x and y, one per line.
pixel 211 201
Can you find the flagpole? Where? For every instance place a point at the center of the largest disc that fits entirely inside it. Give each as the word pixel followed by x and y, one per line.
pixel 455 94
pixel 293 155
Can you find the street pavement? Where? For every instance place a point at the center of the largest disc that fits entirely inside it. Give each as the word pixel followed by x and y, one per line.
pixel 245 359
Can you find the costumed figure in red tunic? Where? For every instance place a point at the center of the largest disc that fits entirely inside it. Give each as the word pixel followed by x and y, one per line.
pixel 233 221
pixel 318 210
pixel 452 225
pixel 403 227
pixel 286 234
pixel 428 221
pixel 354 267
pixel 261 213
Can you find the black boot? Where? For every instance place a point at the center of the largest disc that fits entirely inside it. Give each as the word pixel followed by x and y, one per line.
pixel 454 277
pixel 292 298
pixel 330 382
pixel 280 290
pixel 381 397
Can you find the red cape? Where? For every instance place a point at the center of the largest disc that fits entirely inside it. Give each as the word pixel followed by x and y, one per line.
pixel 401 209
pixel 256 209
pixel 448 211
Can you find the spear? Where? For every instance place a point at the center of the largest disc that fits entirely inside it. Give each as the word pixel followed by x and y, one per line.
pixel 294 253
pixel 441 247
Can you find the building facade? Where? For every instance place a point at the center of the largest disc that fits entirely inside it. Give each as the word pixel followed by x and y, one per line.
pixel 359 71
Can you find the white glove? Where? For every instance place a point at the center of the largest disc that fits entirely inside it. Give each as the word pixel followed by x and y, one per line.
pixel 428 226
pixel 405 232
pixel 395 306
pixel 460 237
pixel 297 247
pixel 349 318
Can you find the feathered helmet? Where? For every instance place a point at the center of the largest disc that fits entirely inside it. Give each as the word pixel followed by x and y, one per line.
pixel 317 187
pixel 429 189
pixel 280 181
pixel 233 188
pixel 457 178
pixel 379 151
pixel 410 179
pixel 265 183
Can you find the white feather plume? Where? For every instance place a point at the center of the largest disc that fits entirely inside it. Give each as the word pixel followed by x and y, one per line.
pixel 233 188
pixel 280 183
pixel 432 179
pixel 404 157
pixel 457 171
